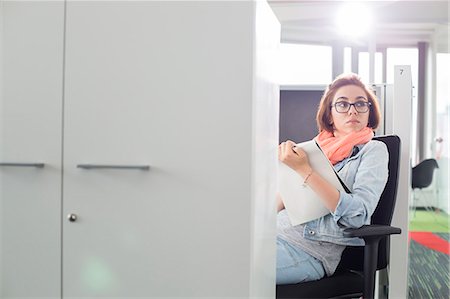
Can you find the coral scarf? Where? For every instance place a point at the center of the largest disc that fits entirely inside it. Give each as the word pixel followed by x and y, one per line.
pixel 337 149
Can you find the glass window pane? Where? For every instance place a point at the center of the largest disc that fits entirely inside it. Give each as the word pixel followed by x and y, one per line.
pixel 363 67
pixel 442 105
pixel 305 64
pixel 443 129
pixel 442 82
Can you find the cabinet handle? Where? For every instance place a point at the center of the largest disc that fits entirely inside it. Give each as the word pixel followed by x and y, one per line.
pixel 102 166
pixel 72 217
pixel 38 165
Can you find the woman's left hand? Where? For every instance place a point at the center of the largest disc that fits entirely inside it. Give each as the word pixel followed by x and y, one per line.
pixel 294 157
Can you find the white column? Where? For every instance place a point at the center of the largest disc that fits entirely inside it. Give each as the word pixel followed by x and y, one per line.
pixel 401 121
pixel 265 140
pixel 372 50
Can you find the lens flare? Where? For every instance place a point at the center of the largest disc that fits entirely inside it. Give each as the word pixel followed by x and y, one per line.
pixel 354 20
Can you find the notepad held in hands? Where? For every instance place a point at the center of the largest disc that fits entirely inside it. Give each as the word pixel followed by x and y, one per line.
pixel 301 202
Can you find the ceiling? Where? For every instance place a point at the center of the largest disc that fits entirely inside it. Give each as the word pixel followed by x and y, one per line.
pixel 395 23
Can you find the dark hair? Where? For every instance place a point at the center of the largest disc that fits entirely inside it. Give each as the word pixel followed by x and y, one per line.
pixel 324 119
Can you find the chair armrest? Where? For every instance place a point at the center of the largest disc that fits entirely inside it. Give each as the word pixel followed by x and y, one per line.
pixel 372 234
pixel 372 231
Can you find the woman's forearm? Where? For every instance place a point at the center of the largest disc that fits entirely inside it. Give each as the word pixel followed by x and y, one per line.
pixel 297 159
pixel 327 192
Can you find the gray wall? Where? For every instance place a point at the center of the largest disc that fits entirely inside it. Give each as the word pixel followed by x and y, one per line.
pixel 298 110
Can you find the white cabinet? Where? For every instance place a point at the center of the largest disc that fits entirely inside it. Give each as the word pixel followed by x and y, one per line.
pixel 31 48
pixel 184 88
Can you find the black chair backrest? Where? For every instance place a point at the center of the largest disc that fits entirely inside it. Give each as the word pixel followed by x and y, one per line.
pixel 422 173
pixel 385 210
pixel 353 257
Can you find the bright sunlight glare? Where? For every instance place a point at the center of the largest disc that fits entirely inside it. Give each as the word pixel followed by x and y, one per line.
pixel 354 19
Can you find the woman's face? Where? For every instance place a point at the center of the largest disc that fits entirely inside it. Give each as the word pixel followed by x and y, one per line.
pixel 357 116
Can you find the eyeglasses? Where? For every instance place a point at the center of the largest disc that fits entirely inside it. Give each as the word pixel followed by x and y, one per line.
pixel 344 107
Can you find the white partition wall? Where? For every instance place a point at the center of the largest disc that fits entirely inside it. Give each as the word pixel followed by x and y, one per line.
pixel 181 102
pixel 265 134
pixel 396 105
pixel 159 125
pixel 401 126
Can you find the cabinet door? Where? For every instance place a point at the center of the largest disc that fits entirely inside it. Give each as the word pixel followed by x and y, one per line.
pixel 31 50
pixel 142 89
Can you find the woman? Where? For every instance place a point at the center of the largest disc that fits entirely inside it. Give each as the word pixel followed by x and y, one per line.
pixel 347 115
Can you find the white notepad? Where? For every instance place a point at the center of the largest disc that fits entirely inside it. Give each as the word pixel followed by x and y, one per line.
pixel 301 203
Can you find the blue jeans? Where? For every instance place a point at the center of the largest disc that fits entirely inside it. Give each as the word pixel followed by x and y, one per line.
pixel 294 265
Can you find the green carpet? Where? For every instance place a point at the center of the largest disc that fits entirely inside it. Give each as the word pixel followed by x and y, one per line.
pixel 426 221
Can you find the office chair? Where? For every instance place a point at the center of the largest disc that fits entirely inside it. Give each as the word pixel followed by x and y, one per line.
pixel 355 274
pixel 422 176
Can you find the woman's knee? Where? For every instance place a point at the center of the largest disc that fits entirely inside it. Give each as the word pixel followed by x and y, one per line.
pixel 295 266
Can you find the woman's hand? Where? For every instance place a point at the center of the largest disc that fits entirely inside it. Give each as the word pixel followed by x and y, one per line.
pixel 297 159
pixel 294 157
pixel 280 203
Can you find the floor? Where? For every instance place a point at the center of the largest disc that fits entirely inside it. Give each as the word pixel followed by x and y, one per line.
pixel 429 259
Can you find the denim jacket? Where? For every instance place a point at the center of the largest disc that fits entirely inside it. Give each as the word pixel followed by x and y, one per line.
pixel 365 174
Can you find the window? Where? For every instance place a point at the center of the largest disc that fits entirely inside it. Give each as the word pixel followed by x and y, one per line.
pixel 363 68
pixel 442 82
pixel 305 64
pixel 442 104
